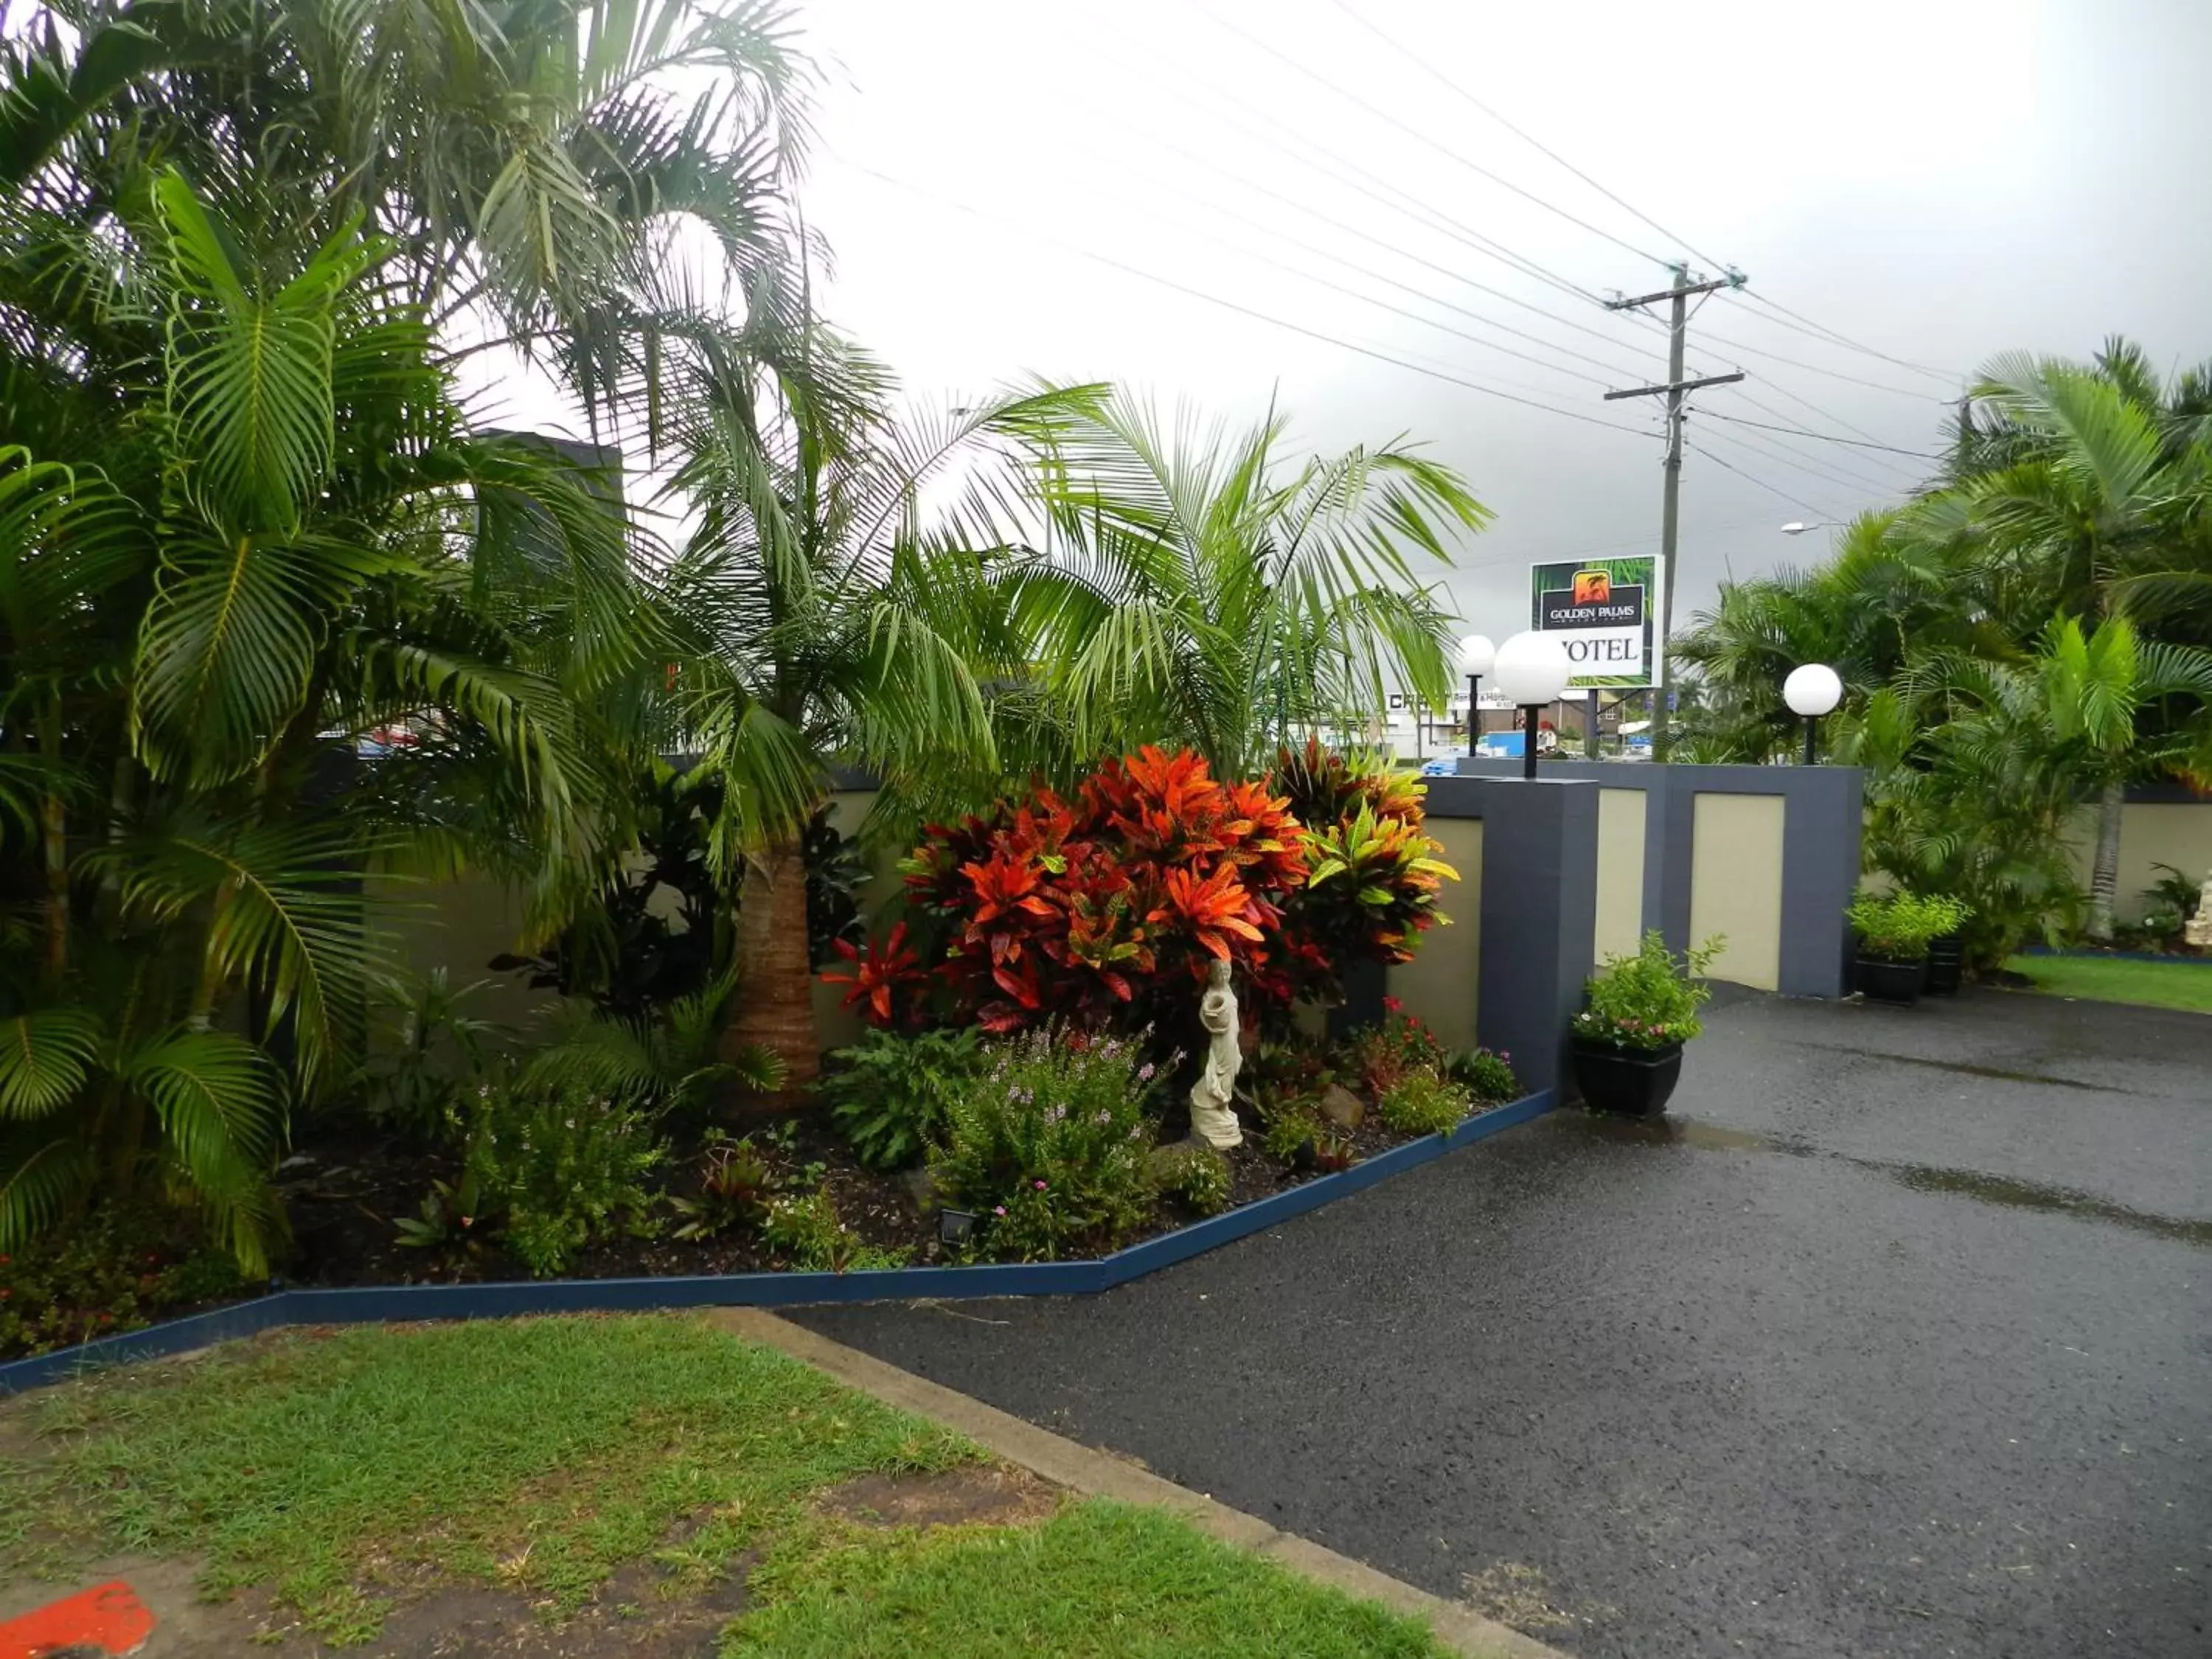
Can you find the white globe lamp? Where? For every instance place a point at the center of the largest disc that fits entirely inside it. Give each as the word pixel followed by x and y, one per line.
pixel 1532 670
pixel 1812 690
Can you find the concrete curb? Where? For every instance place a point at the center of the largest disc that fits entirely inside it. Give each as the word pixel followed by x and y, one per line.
pixel 1100 1475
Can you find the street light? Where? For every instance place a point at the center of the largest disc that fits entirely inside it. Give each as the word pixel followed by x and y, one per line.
pixel 1532 671
pixel 1812 690
pixel 1798 527
pixel 1477 657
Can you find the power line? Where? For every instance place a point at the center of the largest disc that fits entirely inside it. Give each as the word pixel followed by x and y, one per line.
pixel 1768 447
pixel 1242 310
pixel 1561 555
pixel 1430 69
pixel 1335 167
pixel 1826 437
pixel 1815 369
pixel 1822 331
pixel 1397 310
pixel 1807 403
pixel 1414 133
pixel 1802 323
pixel 1794 500
pixel 1350 229
pixel 1870 457
pixel 1806 325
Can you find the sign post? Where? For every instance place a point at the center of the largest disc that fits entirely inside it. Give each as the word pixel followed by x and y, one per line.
pixel 1605 611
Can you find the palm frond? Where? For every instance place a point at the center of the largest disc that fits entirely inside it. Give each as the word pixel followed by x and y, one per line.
pixel 249 379
pixel 46 1058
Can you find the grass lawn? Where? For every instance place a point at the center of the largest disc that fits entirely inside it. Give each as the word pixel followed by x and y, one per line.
pixel 577 1474
pixel 2185 985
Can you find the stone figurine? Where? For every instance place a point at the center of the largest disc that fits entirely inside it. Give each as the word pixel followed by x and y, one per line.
pixel 2198 932
pixel 1212 1119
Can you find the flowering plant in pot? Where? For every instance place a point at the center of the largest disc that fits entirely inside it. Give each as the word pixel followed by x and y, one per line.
pixel 1895 931
pixel 1627 1042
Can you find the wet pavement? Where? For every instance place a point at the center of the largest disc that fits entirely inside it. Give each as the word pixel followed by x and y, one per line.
pixel 1896 1338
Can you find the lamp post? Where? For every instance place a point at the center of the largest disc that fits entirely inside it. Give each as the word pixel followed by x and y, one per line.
pixel 1532 671
pixel 1477 657
pixel 1798 527
pixel 1813 690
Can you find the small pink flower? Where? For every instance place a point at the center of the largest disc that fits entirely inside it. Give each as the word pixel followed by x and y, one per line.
pixel 997 1209
pixel 1040 1186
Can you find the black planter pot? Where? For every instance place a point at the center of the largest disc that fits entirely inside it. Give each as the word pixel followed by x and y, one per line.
pixel 1946 964
pixel 1633 1081
pixel 1901 982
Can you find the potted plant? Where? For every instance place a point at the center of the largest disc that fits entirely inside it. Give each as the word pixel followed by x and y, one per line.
pixel 1946 951
pixel 1894 931
pixel 1627 1043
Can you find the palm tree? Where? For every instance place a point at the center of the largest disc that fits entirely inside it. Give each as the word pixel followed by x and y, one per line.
pixel 536 167
pixel 244 523
pixel 1890 591
pixel 2070 722
pixel 1191 588
pixel 2097 511
pixel 273 535
pixel 830 621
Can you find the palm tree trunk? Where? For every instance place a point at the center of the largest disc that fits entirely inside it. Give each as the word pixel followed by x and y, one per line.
pixel 2104 873
pixel 53 825
pixel 775 1002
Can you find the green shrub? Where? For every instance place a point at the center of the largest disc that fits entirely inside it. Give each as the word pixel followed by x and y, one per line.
pixel 447 1219
pixel 1291 1129
pixel 115 1270
pixel 437 1050
pixel 1900 927
pixel 810 1232
pixel 1395 1046
pixel 1488 1077
pixel 1646 1000
pixel 1287 1070
pixel 735 1184
pixel 1198 1175
pixel 889 1093
pixel 563 1169
pixel 1048 1147
pixel 1422 1103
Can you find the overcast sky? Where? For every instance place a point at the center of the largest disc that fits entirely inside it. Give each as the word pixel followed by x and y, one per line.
pixel 1937 180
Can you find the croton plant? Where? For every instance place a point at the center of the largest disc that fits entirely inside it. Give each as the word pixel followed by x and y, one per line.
pixel 1106 908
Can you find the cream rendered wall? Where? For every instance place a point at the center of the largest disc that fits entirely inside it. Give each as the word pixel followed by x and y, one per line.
pixel 1735 885
pixel 1440 983
pixel 1620 828
pixel 2178 833
pixel 461 925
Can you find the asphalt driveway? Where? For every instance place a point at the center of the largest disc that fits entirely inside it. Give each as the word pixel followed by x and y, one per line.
pixel 1896 1339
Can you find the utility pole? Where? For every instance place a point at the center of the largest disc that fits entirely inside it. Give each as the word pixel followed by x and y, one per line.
pixel 1670 509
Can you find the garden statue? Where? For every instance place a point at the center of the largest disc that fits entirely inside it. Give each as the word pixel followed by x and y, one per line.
pixel 2198 932
pixel 1212 1119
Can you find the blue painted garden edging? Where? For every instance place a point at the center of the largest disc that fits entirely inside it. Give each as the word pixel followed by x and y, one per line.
pixel 370 1304
pixel 2116 956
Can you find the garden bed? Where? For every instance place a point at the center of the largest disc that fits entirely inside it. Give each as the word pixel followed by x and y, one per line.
pixel 345 1195
pixel 482 1297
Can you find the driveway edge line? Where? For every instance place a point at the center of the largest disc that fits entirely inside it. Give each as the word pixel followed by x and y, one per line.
pixel 1101 1474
